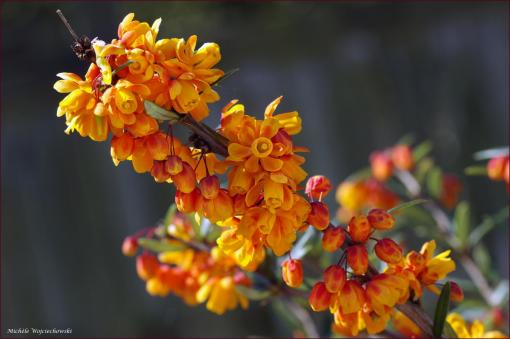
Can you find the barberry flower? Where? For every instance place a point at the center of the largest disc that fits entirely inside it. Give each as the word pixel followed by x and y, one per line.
pixel 319 298
pixel 402 157
pixel 388 251
pixel 317 187
pixel 382 166
pixel 333 238
pixel 129 246
pixel 476 330
pixel 359 228
pixel 334 278
pixel 380 219
pixel 319 215
pixel 357 259
pixel 292 272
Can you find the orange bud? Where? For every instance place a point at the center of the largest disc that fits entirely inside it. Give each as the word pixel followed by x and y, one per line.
pixel 496 168
pixel 159 172
pixel 219 208
pixel 319 215
pixel 333 238
pixel 506 173
pixel 210 186
pixel 498 317
pixel 185 180
pixel 402 157
pixel 382 167
pixel 129 246
pixel 157 144
pixel 357 259
pixel 388 251
pixel 122 147
pixel 351 298
pixel 450 190
pixel 292 272
pixel 317 187
pixel 146 266
pixel 173 165
pixel 188 202
pixel 415 262
pixel 380 219
pixel 319 298
pixel 359 228
pixel 334 278
pixel 456 293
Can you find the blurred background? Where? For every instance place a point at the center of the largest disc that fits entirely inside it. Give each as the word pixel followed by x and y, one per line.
pixel 361 76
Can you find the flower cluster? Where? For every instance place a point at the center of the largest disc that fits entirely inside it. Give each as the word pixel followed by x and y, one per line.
pixel 128 71
pixel 356 294
pixel 195 275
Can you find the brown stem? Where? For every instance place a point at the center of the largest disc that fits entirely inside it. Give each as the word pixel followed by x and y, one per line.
pixel 67 24
pixel 217 143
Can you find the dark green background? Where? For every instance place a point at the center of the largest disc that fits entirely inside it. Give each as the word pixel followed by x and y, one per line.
pixel 361 75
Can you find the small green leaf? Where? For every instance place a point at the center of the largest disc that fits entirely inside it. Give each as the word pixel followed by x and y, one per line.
pixel 407 204
pixel 422 169
pixel 442 306
pixel 159 113
pixel 481 230
pixel 254 294
pixel 160 245
pixel 491 153
pixel 169 215
pixel 448 331
pixel 482 258
pixel 476 170
pixel 435 182
pixel 462 222
pixel 422 150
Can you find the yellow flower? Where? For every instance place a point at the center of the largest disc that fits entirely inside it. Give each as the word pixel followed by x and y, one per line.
pixel 437 267
pixel 476 330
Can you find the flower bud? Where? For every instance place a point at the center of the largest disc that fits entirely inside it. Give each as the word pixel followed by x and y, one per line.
pixel 359 228
pixel 506 173
pixel 319 215
pixel 319 298
pixel 146 266
pixel 334 278
pixel 382 167
pixel 317 187
pixel 380 219
pixel 185 180
pixel 292 272
pixel 496 168
pixel 129 246
pixel 357 259
pixel 450 190
pixel 188 202
pixel 173 165
pixel 157 144
pixel 219 208
pixel 352 297
pixel 415 261
pixel 159 172
pixel 210 186
pixel 456 293
pixel 122 147
pixel 388 251
pixel 402 157
pixel 333 238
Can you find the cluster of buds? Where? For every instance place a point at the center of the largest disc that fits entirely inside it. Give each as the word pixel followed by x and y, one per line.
pixel 356 196
pixel 356 294
pixel 382 163
pixel 195 275
pixel 498 169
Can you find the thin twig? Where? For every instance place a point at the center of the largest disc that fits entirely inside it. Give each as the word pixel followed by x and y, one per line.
pixel 68 25
pixel 303 316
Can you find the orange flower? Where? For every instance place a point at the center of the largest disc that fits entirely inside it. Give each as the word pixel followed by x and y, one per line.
pixel 357 259
pixel 382 166
pixel 388 251
pixel 333 238
pixel 292 272
pixel 380 219
pixel 334 278
pixel 359 228
pixel 319 298
pixel 318 187
pixel 402 157
pixel 319 215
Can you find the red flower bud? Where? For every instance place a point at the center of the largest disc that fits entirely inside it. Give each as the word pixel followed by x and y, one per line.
pixel 317 187
pixel 496 168
pixel 382 167
pixel 146 266
pixel 210 186
pixel 333 238
pixel 359 228
pixel 319 298
pixel 380 219
pixel 159 172
pixel 188 202
pixel 122 147
pixel 402 157
pixel 319 215
pixel 456 293
pixel 388 251
pixel 357 259
pixel 334 278
pixel 129 246
pixel 292 272
pixel 157 144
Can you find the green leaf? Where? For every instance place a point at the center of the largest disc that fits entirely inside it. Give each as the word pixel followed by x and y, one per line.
pixel 160 245
pixel 422 150
pixel 407 204
pixel 448 331
pixel 422 169
pixel 169 215
pixel 491 153
pixel 482 258
pixel 476 170
pixel 407 139
pixel 442 306
pixel 462 222
pixel 159 113
pixel 435 182
pixel 254 294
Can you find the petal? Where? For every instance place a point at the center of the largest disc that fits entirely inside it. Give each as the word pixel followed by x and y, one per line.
pixel 271 164
pixel 238 152
pixel 252 164
pixel 272 107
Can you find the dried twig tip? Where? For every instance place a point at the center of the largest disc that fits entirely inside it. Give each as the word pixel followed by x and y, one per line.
pixel 66 23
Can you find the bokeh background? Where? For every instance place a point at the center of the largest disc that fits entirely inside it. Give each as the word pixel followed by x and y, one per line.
pixel 361 76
